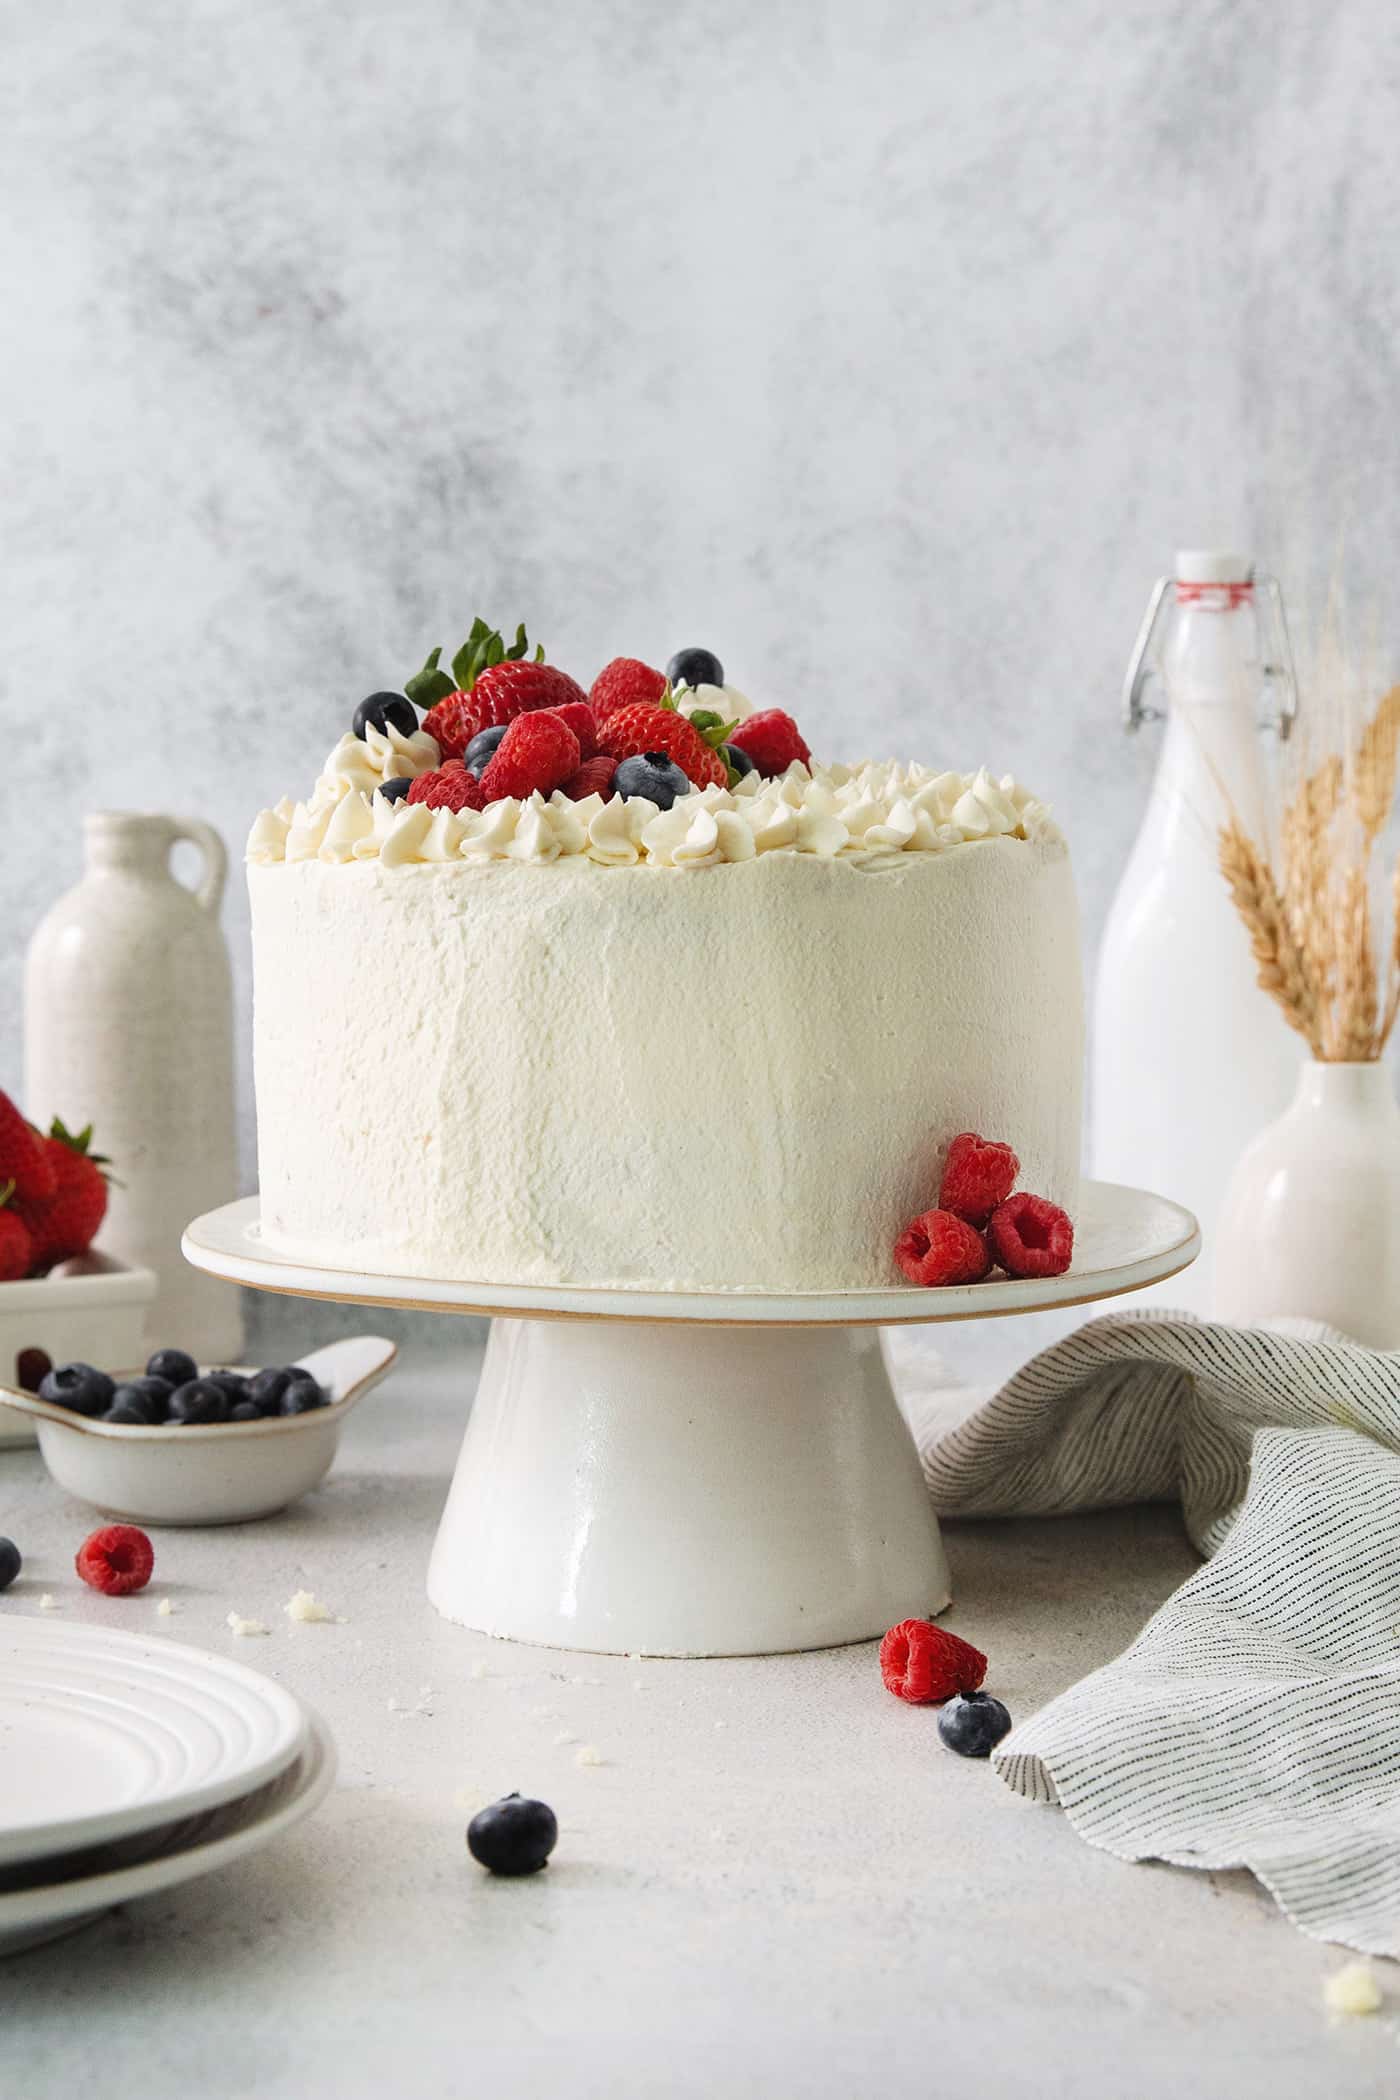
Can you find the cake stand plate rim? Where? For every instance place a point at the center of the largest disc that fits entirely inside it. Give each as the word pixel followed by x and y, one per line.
pixel 1150 1238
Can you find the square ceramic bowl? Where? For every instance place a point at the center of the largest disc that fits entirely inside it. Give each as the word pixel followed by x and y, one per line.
pixel 92 1310
pixel 216 1472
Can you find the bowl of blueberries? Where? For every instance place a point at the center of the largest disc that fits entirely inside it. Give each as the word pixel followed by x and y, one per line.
pixel 177 1444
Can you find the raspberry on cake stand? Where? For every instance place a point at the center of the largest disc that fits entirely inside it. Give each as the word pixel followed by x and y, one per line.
pixel 698 1473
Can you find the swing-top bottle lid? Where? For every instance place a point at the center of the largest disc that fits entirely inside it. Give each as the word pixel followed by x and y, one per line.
pixel 1211 565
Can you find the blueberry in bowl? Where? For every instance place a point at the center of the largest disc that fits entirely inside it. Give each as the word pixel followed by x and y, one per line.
pixel 221 1447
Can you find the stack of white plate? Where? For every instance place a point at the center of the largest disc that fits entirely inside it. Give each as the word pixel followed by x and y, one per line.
pixel 128 1765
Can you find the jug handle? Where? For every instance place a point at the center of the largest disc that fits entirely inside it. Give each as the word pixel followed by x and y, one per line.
pixel 209 891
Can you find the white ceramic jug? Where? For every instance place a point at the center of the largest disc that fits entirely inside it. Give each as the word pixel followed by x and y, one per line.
pixel 129 1027
pixel 1310 1227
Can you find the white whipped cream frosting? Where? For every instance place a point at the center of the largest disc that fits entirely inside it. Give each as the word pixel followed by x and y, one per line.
pixel 867 814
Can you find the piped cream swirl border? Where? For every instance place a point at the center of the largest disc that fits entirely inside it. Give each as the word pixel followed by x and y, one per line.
pixel 869 813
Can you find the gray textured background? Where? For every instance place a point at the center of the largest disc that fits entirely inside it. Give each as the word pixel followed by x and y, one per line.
pixel 887 349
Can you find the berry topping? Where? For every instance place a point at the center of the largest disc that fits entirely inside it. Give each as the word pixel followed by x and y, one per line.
pixel 78 1387
pixel 1031 1237
pixel 116 1560
pixel 175 1366
pixel 301 1395
pixel 694 667
pixel 978 1176
pixel 11 1562
pixel 394 790
pixel 635 731
pixel 537 754
pixel 625 682
pixel 513 1836
pixel 16 1244
pixel 65 1223
pixel 580 718
pixel 973 1724
pixel 450 787
pixel 488 686
pixel 772 740
pixel 940 1249
pixel 738 762
pixel 198 1402
pixel 653 775
pixel 384 708
pixel 922 1663
pixel 483 748
pixel 24 1157
pixel 594 777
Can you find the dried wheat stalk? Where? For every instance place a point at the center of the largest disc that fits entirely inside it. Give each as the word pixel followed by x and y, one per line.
pixel 1311 926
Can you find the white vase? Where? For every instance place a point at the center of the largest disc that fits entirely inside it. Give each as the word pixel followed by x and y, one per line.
pixel 129 1027
pixel 1310 1226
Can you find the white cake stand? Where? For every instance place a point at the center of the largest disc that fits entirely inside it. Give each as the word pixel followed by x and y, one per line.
pixel 697 1473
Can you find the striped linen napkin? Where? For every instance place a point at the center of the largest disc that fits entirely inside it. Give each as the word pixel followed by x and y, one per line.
pixel 1255 1721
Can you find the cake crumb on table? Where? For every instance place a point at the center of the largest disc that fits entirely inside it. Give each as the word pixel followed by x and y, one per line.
pixel 1352 1991
pixel 587 1756
pixel 304 1609
pixel 245 1629
pixel 48 1602
pixel 165 1608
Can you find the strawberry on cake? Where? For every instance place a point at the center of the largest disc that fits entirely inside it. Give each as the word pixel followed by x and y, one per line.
pixel 624 987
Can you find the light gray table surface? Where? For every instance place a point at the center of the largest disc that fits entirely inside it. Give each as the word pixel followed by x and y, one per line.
pixel 776 1882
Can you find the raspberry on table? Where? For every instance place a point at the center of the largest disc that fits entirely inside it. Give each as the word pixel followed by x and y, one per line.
pixel 978 1176
pixel 939 1248
pixel 772 740
pixel 1031 1237
pixel 924 1663
pixel 117 1559
pixel 536 755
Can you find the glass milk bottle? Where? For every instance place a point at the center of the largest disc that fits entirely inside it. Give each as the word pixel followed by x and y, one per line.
pixel 128 1026
pixel 1190 1058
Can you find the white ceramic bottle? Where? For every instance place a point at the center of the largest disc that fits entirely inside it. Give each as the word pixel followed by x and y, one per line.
pixel 129 1026
pixel 1189 1058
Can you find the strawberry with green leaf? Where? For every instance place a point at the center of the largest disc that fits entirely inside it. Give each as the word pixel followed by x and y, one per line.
pixel 66 1222
pixel 487 687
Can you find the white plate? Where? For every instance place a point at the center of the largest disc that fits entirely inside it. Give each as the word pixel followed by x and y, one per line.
pixel 103 1734
pixel 40 1904
pixel 1124 1239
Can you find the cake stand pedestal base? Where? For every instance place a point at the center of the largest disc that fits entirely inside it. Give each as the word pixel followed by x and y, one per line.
pixel 697 1472
pixel 638 1488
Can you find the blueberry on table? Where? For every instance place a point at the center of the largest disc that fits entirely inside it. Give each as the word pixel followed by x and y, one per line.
pixel 654 775
pixel 80 1388
pixel 394 790
pixel 301 1395
pixel 694 667
pixel 973 1724
pixel 200 1400
pixel 174 1366
pixel 384 708
pixel 513 1836
pixel 10 1562
pixel 482 749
